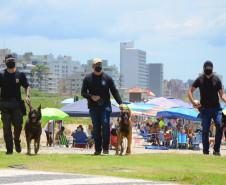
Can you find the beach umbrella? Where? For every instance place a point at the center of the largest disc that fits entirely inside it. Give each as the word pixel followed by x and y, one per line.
pixel 68 101
pixel 162 102
pixel 150 93
pixel 180 102
pixel 142 107
pixel 152 112
pixel 179 112
pixel 53 114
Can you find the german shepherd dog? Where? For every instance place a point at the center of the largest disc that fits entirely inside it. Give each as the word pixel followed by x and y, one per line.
pixel 125 130
pixel 33 129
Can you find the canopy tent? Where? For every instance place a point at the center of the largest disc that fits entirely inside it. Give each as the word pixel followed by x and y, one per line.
pixel 179 112
pixel 80 109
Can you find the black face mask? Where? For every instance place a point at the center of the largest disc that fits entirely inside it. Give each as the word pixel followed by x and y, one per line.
pixel 98 68
pixel 10 64
pixel 208 71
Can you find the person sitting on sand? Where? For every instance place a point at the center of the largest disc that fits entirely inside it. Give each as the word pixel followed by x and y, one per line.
pixel 155 130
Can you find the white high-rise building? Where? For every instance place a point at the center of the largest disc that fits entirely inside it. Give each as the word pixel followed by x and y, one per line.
pixel 133 69
pixel 64 67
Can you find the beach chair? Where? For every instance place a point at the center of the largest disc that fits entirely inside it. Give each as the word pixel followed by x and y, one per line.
pixel 80 144
pixel 151 138
pixel 80 140
pixel 198 139
pixel 145 137
pixel 183 140
pixel 63 141
pixel 167 139
pixel 175 135
pixel 113 141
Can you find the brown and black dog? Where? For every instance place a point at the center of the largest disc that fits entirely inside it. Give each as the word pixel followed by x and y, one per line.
pixel 33 129
pixel 125 130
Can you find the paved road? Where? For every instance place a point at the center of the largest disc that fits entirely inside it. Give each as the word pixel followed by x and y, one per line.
pixel 28 177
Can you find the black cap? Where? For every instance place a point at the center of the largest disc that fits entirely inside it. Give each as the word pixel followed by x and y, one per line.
pixel 208 64
pixel 9 56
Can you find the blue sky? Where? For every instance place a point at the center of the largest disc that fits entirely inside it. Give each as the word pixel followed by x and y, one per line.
pixel 181 34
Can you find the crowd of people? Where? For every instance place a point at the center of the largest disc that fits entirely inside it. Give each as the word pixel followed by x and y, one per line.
pixel 166 134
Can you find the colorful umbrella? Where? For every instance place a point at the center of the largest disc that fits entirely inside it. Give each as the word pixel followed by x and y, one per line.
pixel 153 111
pixel 162 102
pixel 53 114
pixel 150 93
pixel 180 103
pixel 180 112
pixel 142 107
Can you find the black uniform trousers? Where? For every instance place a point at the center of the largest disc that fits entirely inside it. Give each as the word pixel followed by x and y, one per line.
pixel 11 115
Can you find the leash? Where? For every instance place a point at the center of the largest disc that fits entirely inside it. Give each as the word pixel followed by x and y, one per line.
pixel 29 105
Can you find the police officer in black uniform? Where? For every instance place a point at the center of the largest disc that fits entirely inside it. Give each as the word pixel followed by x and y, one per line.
pixel 96 89
pixel 10 82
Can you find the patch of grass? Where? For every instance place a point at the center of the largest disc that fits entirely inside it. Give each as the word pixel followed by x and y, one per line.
pixel 185 169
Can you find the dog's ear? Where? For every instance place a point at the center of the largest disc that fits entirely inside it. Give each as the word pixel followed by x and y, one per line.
pixel 129 110
pixel 39 107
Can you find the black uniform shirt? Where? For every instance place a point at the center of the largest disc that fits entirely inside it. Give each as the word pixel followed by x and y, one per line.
pixel 10 84
pixel 99 85
pixel 208 90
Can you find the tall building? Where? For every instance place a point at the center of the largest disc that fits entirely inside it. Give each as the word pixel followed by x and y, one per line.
pixel 155 78
pixel 133 69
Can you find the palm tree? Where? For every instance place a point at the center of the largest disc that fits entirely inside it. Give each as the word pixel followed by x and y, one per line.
pixel 39 70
